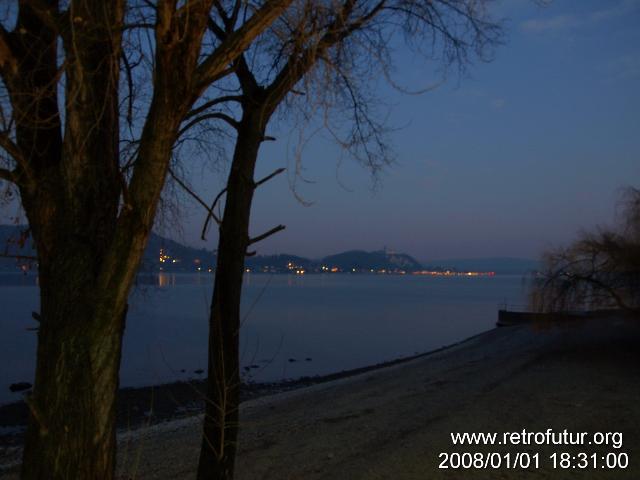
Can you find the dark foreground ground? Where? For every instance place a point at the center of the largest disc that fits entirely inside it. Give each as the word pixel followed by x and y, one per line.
pixel 393 423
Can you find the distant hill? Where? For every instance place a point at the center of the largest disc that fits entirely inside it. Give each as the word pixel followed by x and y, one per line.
pixel 278 263
pixel 171 256
pixel 161 253
pixel 378 260
pixel 500 265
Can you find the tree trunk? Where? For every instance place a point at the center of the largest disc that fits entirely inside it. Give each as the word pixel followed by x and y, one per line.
pixel 72 431
pixel 73 216
pixel 85 273
pixel 220 431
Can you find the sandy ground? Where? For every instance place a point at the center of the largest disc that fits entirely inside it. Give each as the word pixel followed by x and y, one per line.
pixel 394 422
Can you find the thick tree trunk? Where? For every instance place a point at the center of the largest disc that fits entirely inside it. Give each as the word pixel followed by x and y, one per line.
pixel 72 434
pixel 220 431
pixel 85 274
pixel 73 214
pixel 72 423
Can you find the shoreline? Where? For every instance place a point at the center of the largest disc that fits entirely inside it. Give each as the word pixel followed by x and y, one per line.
pixel 391 423
pixel 146 406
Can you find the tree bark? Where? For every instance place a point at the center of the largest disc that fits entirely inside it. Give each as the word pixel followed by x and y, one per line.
pixel 220 430
pixel 72 431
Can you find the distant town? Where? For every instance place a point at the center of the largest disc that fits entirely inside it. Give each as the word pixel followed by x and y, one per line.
pixel 384 261
pixel 166 255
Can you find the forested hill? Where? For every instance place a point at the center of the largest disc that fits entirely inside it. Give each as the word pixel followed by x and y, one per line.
pixel 381 261
pixel 163 254
pixel 378 260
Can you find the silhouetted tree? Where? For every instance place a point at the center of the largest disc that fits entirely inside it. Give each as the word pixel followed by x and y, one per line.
pixel 89 205
pixel 598 270
pixel 319 56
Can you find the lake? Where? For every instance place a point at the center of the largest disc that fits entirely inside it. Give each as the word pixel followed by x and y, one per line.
pixel 292 325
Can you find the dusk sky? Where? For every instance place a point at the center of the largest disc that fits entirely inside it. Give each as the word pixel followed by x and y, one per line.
pixel 516 156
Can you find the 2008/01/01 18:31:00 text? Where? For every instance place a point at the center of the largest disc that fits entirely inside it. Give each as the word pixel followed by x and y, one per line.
pixel 525 460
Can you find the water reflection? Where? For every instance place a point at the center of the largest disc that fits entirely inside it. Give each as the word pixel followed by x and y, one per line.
pixel 166 279
pixel 336 321
pixel 19 279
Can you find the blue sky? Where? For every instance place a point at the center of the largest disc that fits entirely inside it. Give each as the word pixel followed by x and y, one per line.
pixel 516 156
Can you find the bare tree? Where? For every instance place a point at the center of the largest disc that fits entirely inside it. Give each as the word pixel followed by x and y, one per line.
pixel 598 270
pixel 90 202
pixel 319 56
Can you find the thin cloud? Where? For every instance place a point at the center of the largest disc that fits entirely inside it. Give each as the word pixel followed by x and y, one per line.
pixel 567 21
pixel 625 67
pixel 498 103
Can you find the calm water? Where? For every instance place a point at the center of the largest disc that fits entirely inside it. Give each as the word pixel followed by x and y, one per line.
pixel 326 323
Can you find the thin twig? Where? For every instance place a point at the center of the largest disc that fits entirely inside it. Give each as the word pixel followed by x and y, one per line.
pixel 211 214
pixel 194 195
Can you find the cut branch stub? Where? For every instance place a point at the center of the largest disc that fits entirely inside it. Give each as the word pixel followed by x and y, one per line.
pixel 259 238
pixel 268 177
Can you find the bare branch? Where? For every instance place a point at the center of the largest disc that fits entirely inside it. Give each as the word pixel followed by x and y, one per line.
pixel 140 25
pixel 216 29
pixel 211 103
pixel 234 14
pixel 19 257
pixel 127 69
pixel 245 76
pixel 7 175
pixel 8 61
pixel 273 231
pixel 598 270
pixel 212 67
pixel 211 214
pixel 208 116
pixel 299 63
pixel 268 177
pixel 222 13
pixel 14 150
pixel 218 197
pixel 193 195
